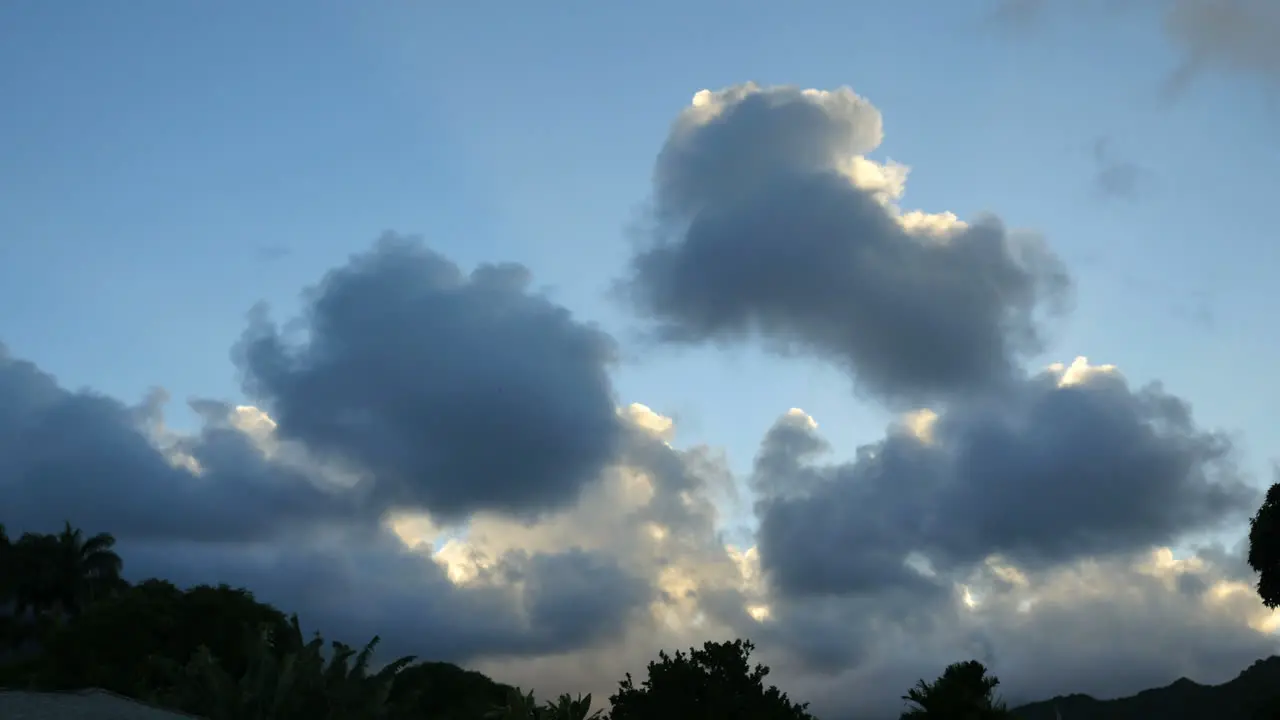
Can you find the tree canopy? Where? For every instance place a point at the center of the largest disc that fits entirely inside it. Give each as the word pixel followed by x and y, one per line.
pixel 964 692
pixel 217 652
pixel 716 681
pixel 1264 547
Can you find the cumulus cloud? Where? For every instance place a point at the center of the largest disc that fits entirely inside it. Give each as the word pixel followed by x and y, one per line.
pixel 354 583
pixel 83 456
pixel 438 456
pixel 1116 612
pixel 1071 463
pixel 1105 627
pixel 417 388
pixel 769 220
pixel 638 563
pixel 413 370
pixel 657 513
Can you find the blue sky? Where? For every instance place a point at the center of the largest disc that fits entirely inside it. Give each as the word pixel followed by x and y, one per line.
pixel 157 154
pixel 165 166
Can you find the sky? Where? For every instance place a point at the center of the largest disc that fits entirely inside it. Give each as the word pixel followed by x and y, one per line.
pixel 542 338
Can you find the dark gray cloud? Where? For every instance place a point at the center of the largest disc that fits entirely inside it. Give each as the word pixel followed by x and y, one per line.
pixel 365 582
pixel 1040 475
pixel 417 387
pixel 576 597
pixel 416 372
pixel 761 230
pixel 1107 628
pixel 89 459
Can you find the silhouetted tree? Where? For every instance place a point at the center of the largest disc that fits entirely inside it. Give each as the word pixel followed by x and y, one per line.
pixel 964 692
pixel 6 571
pixel 188 648
pixel 443 691
pixel 63 572
pixel 297 685
pixel 520 705
pixel 715 682
pixel 110 644
pixel 1264 547
pixel 10 628
pixel 569 708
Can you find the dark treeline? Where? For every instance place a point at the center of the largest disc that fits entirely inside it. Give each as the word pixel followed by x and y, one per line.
pixel 73 622
pixel 70 621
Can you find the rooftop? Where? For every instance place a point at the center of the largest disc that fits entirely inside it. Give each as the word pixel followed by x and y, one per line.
pixel 90 704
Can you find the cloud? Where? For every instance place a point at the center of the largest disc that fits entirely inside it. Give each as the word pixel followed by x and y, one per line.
pixel 657 513
pixel 438 456
pixel 1072 463
pixel 637 563
pixel 273 252
pixel 1118 613
pixel 83 456
pixel 1115 178
pixel 1018 13
pixel 352 584
pixel 1230 36
pixel 1105 627
pixel 413 371
pixel 769 221
pixel 1237 36
pixel 416 389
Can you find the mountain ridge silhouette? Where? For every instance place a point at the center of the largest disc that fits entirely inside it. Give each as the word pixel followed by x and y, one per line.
pixel 1254 694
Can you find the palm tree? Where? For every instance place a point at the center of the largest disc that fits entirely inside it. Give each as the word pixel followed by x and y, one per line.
pixel 63 572
pixel 296 684
pixel 519 706
pixel 522 706
pixel 92 565
pixel 963 692
pixel 567 708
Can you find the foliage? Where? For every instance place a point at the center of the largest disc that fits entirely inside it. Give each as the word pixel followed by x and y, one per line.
pixel 295 685
pixel 111 644
pixel 520 705
pixel 443 691
pixel 1264 547
pixel 714 682
pixel 964 692
pixel 217 652
pixel 569 708
pixel 61 573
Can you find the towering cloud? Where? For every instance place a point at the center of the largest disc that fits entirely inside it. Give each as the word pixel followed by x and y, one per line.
pixel 416 388
pixel 769 222
pixel 438 456
pixel 414 372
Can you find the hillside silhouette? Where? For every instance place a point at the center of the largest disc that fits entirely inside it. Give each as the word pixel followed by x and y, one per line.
pixel 1249 696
